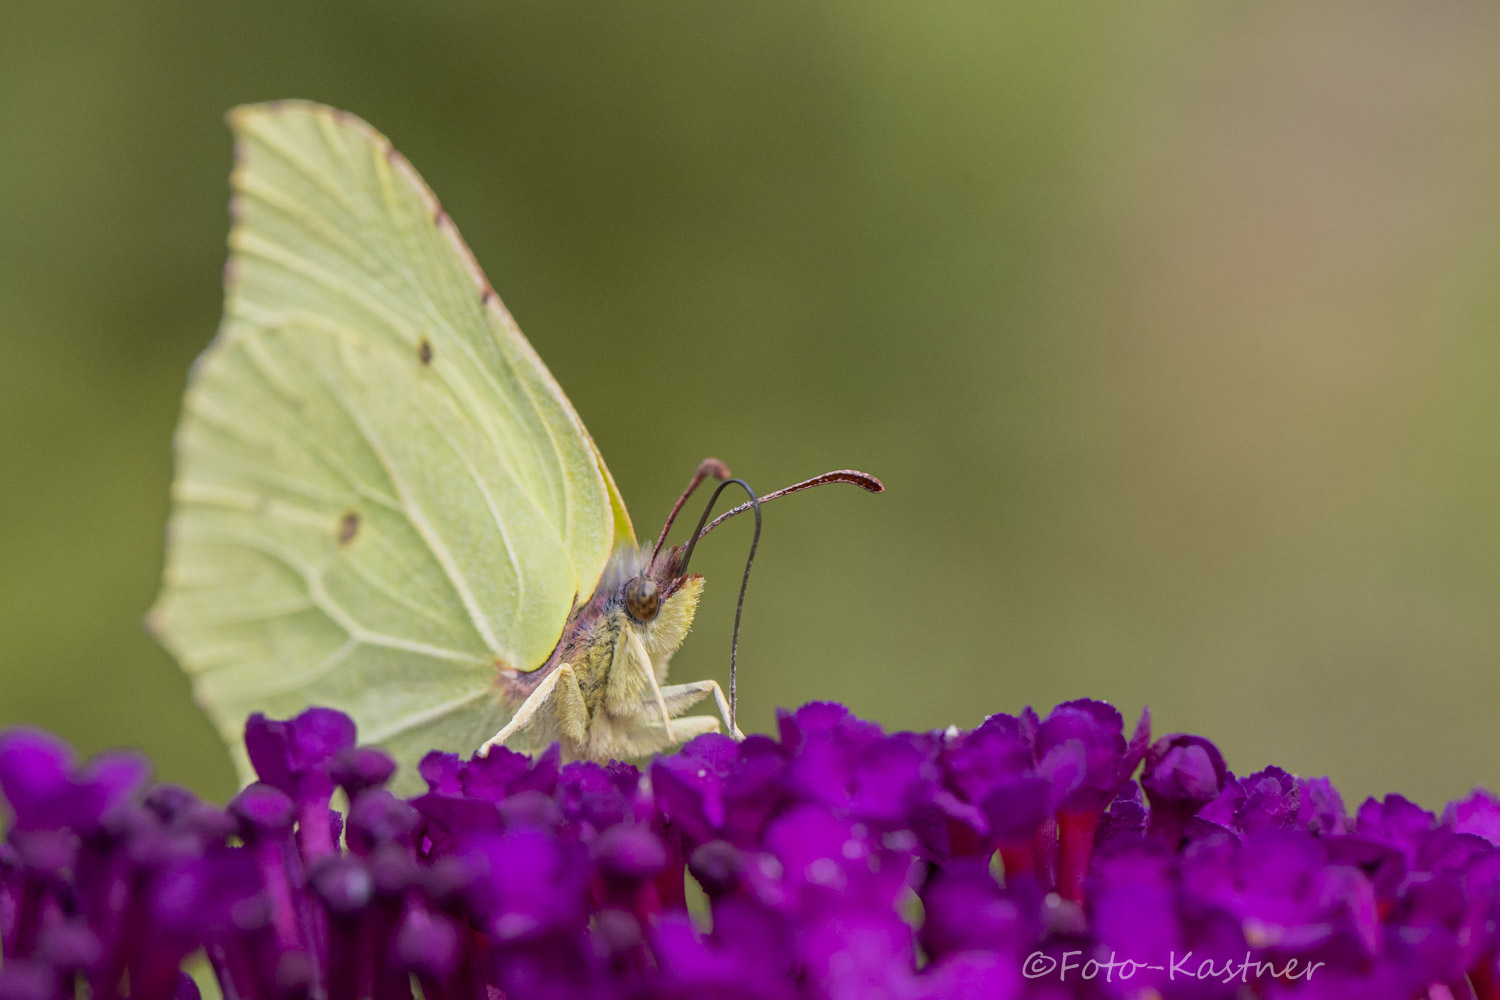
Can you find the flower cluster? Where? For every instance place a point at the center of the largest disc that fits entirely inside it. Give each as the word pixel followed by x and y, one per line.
pixel 1029 857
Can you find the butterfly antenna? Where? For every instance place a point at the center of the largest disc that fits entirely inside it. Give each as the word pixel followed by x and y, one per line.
pixel 707 467
pixel 710 466
pixel 734 643
pixel 863 480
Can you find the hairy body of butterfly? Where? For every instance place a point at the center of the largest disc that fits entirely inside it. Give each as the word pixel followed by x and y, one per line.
pixel 602 693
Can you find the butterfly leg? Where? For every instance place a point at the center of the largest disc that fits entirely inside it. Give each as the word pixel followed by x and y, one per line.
pixel 645 739
pixel 559 693
pixel 680 697
pixel 695 725
pixel 643 661
pixel 632 684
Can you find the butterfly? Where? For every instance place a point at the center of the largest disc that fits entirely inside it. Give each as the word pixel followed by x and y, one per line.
pixel 383 501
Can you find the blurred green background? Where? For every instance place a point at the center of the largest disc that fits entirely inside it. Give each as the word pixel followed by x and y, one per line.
pixel 1170 327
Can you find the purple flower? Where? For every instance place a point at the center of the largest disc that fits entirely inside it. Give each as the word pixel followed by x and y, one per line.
pixel 1086 740
pixel 855 952
pixel 1320 807
pixel 1097 731
pixel 1183 774
pixel 972 974
pixel 628 857
pixel 504 773
pixel 719 867
pixel 46 790
pixel 715 788
pixel 1272 800
pixel 749 955
pixel 1125 821
pixel 966 910
pixel 990 793
pixel 838 861
pixel 1478 814
pixel 822 860
pixel 853 768
pixel 1396 822
pixel 1135 907
pixel 355 769
pixel 297 757
pixel 377 818
pixel 430 947
pixel 595 797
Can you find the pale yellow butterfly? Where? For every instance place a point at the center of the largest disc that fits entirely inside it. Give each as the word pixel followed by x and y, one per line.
pixel 383 501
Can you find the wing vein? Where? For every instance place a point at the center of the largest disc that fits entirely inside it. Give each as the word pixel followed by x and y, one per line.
pixel 415 719
pixel 419 522
pixel 294 160
pixel 317 671
pixel 313 580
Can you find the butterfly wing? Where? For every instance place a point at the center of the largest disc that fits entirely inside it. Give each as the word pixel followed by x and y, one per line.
pixel 382 498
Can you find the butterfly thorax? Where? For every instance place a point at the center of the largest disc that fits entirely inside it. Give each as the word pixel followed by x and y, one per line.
pixel 610 645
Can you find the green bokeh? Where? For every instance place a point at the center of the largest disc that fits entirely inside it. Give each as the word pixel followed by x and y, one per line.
pixel 1172 330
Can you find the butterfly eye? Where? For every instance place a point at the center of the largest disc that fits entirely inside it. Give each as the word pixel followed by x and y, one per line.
pixel 642 599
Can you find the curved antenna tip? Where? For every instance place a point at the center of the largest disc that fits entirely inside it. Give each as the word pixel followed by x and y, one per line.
pixel 863 480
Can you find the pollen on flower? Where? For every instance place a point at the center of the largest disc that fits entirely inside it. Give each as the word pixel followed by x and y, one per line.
pixel 837 861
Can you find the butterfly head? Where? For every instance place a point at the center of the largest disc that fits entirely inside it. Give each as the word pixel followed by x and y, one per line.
pixel 652 596
pixel 656 584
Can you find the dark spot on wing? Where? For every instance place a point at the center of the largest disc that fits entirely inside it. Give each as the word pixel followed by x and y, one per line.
pixel 424 351
pixel 487 296
pixel 348 527
pixel 439 217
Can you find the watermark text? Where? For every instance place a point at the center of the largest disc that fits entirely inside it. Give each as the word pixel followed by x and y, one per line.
pixel 1072 965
